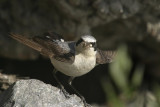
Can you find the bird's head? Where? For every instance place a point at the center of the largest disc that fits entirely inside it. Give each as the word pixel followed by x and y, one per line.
pixel 87 45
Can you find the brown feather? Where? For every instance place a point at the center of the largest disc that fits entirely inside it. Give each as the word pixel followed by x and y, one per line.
pixel 29 42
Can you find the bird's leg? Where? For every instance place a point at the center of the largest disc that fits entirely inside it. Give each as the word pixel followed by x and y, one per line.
pixel 60 85
pixel 82 98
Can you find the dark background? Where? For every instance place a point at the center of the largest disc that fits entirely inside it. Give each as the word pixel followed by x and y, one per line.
pixel 129 26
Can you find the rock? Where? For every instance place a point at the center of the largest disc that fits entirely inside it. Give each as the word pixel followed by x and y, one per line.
pixel 34 93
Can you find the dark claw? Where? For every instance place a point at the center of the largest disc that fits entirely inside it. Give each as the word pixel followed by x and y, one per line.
pixel 84 102
pixel 66 94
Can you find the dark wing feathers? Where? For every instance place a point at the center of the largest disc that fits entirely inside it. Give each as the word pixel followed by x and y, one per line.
pixel 49 44
pixel 103 57
pixel 52 36
pixel 61 50
pixel 29 42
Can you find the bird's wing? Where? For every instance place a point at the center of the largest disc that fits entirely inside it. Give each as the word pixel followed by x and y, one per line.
pixel 29 42
pixel 103 57
pixel 50 44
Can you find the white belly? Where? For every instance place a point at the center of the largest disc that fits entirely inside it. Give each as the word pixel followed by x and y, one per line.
pixel 81 65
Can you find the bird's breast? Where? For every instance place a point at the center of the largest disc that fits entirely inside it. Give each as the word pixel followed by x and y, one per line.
pixel 80 66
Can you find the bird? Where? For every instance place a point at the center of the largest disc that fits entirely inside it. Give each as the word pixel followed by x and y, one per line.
pixel 72 58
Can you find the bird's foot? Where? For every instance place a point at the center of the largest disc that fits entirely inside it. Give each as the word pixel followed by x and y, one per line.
pixel 66 94
pixel 84 102
pixel 87 105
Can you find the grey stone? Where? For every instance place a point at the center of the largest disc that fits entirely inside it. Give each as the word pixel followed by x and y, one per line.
pixel 34 93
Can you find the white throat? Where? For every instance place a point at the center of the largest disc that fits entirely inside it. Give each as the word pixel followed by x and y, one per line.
pixel 86 52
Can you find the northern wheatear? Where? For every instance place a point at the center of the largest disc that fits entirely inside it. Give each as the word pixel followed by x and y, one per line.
pixel 72 58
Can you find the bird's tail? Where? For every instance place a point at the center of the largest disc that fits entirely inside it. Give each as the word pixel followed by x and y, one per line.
pixel 27 41
pixel 31 43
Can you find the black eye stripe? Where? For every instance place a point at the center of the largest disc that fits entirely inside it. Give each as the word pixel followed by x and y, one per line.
pixel 94 45
pixel 79 41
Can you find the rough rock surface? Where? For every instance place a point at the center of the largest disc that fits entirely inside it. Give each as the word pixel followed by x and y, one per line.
pixel 34 93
